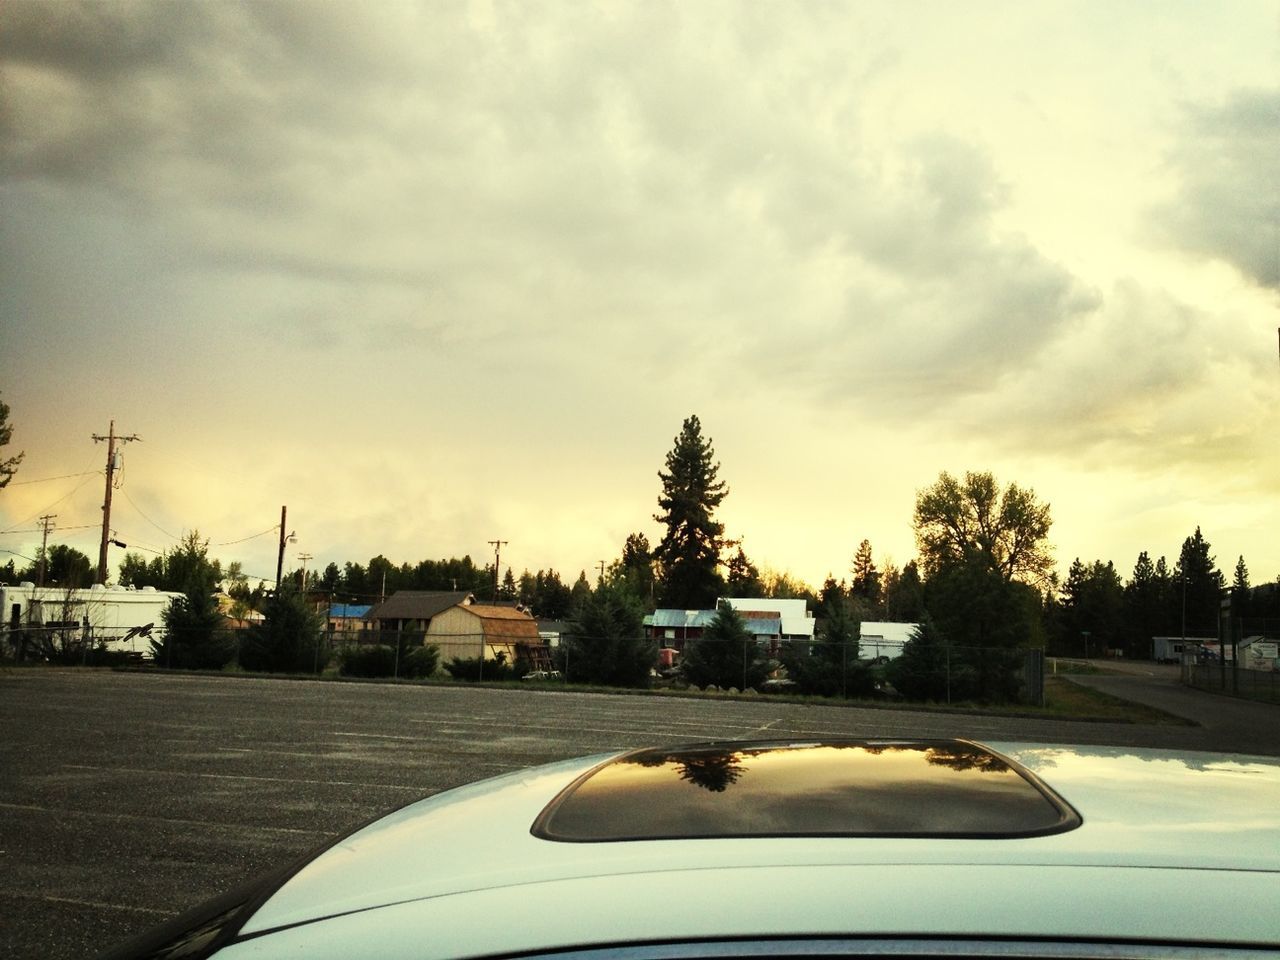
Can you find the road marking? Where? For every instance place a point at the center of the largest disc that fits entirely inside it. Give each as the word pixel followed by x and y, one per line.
pixel 96 815
pixel 235 776
pixel 95 904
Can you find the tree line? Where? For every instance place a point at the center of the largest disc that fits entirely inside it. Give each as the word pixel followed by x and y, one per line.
pixel 983 580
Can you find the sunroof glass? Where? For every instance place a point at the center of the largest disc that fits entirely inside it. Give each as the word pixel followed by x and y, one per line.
pixel 866 788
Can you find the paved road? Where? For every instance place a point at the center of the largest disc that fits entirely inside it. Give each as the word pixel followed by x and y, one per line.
pixel 125 798
pixel 1223 723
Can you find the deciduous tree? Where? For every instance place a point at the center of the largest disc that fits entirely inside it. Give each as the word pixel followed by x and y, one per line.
pixel 974 520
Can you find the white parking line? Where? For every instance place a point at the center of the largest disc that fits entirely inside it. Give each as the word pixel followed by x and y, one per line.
pixel 235 776
pixel 95 904
pixel 126 817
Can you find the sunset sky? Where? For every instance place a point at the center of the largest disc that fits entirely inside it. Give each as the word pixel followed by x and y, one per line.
pixel 433 274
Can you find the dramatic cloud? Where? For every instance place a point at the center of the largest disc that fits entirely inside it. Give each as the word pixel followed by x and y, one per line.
pixel 429 269
pixel 1228 167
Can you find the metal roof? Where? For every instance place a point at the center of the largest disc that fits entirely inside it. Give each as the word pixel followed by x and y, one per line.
pixel 886 630
pixel 680 618
pixel 349 610
pixel 416 604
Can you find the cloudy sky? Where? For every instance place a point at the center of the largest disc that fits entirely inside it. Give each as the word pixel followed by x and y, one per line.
pixel 437 273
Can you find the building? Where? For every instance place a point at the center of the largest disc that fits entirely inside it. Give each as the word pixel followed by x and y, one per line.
pixel 470 630
pixel 1180 649
pixel 411 611
pixel 348 617
pixel 672 628
pixel 771 622
pixel 883 638
pixel 774 622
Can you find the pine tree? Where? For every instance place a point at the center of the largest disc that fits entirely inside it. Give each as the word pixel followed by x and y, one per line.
pixel 1240 590
pixel 8 465
pixel 606 643
pixel 1200 584
pixel 726 655
pixel 743 578
pixel 689 554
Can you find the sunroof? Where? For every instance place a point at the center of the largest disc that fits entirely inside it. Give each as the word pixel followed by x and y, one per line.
pixel 864 788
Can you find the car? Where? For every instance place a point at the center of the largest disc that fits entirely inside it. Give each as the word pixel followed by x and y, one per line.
pixel 906 848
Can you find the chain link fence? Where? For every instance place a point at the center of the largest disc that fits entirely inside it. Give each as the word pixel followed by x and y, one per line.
pixel 1245 663
pixel 942 673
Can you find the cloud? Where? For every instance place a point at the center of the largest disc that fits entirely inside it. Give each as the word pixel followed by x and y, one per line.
pixel 1228 166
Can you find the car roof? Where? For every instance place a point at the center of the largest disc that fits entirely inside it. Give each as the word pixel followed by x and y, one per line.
pixel 1161 816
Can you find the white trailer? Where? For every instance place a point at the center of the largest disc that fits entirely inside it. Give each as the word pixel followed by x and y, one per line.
pixel 122 619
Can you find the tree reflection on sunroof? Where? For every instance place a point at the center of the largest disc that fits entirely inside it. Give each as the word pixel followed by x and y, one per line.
pixel 941 788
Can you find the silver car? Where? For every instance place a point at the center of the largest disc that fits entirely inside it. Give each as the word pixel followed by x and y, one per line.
pixel 743 849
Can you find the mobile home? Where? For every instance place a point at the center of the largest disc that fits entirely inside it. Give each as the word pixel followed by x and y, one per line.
pixel 121 618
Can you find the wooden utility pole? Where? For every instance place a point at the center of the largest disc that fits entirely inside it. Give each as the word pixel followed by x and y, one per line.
pixel 284 511
pixel 111 440
pixel 497 562
pixel 45 522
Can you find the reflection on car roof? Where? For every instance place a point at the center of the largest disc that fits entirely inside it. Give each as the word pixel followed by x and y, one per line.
pixel 863 788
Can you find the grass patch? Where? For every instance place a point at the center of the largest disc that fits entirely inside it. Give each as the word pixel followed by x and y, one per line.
pixel 1058 665
pixel 1071 701
pixel 1064 700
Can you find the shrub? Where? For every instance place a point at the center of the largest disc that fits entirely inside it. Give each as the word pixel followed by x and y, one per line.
pixel 378 661
pixel 420 662
pixel 606 643
pixel 726 655
pixel 287 640
pixel 473 669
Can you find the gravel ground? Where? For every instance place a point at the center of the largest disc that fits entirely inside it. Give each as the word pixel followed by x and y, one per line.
pixel 127 797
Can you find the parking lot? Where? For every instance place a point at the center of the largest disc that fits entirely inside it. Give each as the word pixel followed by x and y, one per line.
pixel 126 797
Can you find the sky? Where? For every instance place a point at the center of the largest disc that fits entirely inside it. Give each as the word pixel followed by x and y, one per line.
pixel 436 274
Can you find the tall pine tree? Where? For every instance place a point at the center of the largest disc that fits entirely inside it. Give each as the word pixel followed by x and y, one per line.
pixel 1200 584
pixel 689 554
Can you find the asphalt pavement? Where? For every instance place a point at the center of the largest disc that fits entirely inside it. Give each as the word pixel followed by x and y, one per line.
pixel 1222 723
pixel 127 797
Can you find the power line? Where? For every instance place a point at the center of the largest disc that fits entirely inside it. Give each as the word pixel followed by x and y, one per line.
pixel 82 526
pixel 65 476
pixel 146 518
pixel 252 536
pixel 45 509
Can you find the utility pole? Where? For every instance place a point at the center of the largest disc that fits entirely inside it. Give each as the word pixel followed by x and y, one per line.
pixel 602 571
pixel 497 562
pixel 111 440
pixel 284 512
pixel 304 557
pixel 45 522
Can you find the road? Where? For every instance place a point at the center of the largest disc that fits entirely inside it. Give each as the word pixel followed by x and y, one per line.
pixel 1223 723
pixel 126 797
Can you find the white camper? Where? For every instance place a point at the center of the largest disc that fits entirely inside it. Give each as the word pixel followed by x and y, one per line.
pixel 121 618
